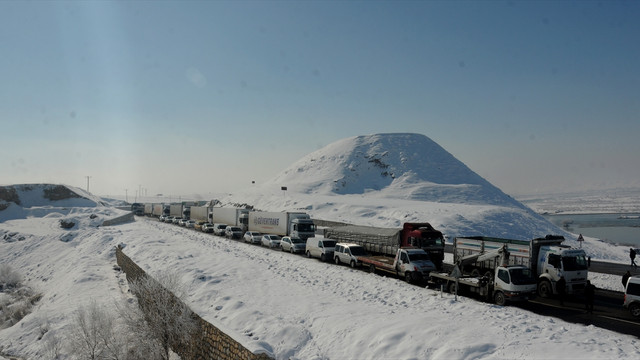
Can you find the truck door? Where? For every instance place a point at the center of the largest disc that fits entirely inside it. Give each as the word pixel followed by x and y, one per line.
pixel 404 261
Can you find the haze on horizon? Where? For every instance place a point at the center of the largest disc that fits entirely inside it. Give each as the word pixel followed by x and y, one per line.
pixel 199 97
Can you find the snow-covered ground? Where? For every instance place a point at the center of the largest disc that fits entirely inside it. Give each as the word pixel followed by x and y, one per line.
pixel 298 308
pixel 286 305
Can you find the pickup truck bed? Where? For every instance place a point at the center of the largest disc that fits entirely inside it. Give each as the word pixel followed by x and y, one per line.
pixel 379 262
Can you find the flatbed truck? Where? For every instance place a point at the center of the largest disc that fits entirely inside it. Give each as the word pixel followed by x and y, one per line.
pixel 410 263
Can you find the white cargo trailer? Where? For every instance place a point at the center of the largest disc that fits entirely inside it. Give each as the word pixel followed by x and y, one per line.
pixel 158 209
pixel 295 224
pixel 200 213
pixel 230 216
pixel 175 210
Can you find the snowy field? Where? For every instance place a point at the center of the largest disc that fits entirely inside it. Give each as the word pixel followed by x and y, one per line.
pixel 286 305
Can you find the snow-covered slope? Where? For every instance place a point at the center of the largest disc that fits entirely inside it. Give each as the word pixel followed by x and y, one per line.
pixel 407 166
pixel 26 200
pixel 388 179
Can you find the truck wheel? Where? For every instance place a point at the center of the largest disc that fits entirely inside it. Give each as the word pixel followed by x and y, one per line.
pixel 635 310
pixel 372 269
pixel 452 287
pixel 337 259
pixel 408 278
pixel 352 264
pixel 544 289
pixel 499 298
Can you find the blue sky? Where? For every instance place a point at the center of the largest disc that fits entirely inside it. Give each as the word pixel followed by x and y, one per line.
pixel 206 96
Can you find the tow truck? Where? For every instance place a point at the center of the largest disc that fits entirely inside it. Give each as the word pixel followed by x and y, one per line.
pixel 508 282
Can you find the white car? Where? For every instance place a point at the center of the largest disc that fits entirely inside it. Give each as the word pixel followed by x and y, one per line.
pixel 271 240
pixel 348 254
pixel 292 244
pixel 233 232
pixel 190 224
pixel 218 229
pixel 252 237
pixel 208 228
pixel 632 296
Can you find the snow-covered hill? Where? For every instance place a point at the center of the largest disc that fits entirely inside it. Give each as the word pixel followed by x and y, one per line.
pixel 27 200
pixel 388 179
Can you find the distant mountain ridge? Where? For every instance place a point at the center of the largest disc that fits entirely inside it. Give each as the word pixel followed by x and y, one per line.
pixel 401 165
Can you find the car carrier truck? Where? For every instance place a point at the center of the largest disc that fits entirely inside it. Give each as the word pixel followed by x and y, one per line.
pixel 505 283
pixel 387 241
pixel 294 224
pixel 547 258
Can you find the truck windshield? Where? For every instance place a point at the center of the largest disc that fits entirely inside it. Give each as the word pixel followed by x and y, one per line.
pixel 306 228
pixel 431 242
pixel 522 276
pixel 418 256
pixel 574 263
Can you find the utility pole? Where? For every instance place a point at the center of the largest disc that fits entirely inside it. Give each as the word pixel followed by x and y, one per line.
pixel 88 177
pixel 126 195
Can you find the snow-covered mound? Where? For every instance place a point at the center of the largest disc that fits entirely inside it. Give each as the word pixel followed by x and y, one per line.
pixel 407 166
pixel 39 200
pixel 388 179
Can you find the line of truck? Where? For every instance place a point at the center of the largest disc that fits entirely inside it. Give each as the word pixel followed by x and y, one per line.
pixel 499 270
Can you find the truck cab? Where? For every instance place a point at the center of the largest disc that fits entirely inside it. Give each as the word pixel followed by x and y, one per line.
pixel 302 226
pixel 556 261
pixel 424 236
pixel 513 283
pixel 414 264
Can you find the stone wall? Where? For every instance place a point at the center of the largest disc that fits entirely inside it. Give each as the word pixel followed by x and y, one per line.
pixel 211 343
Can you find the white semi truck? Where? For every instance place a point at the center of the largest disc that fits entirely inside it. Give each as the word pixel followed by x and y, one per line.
pixel 294 224
pixel 230 216
pixel 547 257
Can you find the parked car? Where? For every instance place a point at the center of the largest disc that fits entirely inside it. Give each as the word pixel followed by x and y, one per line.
pixel 632 296
pixel 292 244
pixel 271 240
pixel 162 217
pixel 207 227
pixel 348 254
pixel 176 220
pixel 320 248
pixel 182 222
pixel 218 229
pixel 253 237
pixel 168 219
pixel 198 225
pixel 233 232
pixel 190 224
